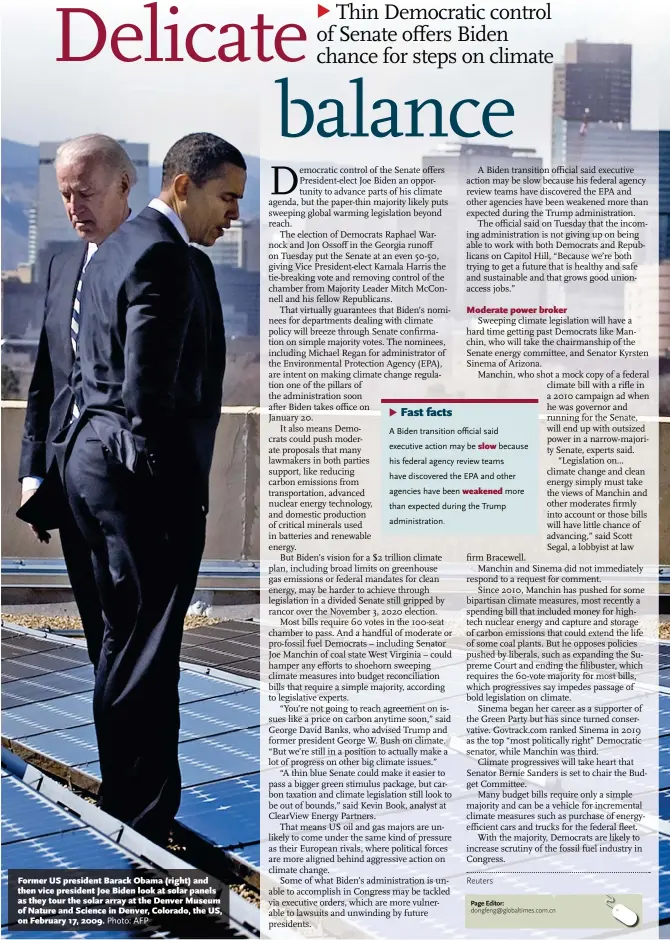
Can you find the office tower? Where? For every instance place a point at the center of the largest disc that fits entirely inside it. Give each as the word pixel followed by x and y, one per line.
pixel 454 165
pixel 592 108
pixel 32 235
pixel 236 268
pixel 605 144
pixel 240 299
pixel 594 82
pixel 235 257
pixel 53 227
pixel 618 145
pixel 592 132
pixel 238 247
pixel 252 246
pixel 229 249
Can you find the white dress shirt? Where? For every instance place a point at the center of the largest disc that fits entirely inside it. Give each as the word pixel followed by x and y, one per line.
pixel 170 214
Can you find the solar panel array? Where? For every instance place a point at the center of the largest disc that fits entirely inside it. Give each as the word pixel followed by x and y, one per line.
pixel 38 834
pixel 47 691
pixel 46 700
pixel 232 646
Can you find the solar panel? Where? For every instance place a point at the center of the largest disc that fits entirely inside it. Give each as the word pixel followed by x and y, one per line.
pixel 39 664
pixel 231 713
pixel 71 747
pixel 18 645
pixel 60 726
pixel 26 814
pixel 199 718
pixel 209 759
pixel 250 854
pixel 54 685
pixel 78 935
pixel 38 834
pixel 220 636
pixel 55 715
pixel 226 755
pixel 56 660
pixel 664 804
pixel 194 687
pixel 219 631
pixel 226 813
pixel 246 644
pixel 42 835
pixel 84 848
pixel 223 657
pixel 248 668
pixel 664 714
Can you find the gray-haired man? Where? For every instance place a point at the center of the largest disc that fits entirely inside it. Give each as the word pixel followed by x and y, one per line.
pixel 95 176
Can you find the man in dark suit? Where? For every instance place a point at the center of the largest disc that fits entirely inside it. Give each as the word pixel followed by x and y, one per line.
pixel 94 176
pixel 148 383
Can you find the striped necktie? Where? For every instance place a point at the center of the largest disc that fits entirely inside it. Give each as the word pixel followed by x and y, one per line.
pixel 75 320
pixel 76 309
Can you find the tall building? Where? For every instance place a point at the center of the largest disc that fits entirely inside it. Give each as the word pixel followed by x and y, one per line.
pixel 456 163
pixel 32 235
pixel 591 129
pixel 592 108
pixel 605 144
pixel 240 299
pixel 229 249
pixel 52 222
pixel 594 82
pixel 612 145
pixel 238 247
pixel 236 268
pixel 252 244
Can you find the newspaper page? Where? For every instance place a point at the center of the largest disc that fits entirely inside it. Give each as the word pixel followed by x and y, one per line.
pixel 335 344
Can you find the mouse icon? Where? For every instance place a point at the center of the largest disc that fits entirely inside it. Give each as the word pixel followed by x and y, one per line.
pixel 622 913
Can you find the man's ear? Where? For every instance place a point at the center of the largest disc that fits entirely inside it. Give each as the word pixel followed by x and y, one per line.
pixel 180 185
pixel 125 184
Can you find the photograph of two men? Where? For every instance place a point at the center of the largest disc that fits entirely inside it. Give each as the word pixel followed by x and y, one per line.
pixel 129 329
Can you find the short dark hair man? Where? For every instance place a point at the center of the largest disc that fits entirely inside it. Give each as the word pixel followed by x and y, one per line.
pixel 148 383
pixel 94 176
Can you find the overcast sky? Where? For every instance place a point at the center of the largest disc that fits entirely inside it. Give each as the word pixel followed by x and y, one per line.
pixel 158 102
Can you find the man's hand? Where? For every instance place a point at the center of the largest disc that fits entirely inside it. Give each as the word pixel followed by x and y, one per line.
pixel 40 534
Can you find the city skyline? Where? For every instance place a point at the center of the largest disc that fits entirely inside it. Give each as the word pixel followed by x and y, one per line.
pixel 228 99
